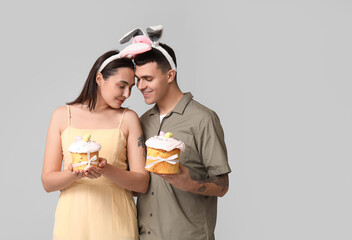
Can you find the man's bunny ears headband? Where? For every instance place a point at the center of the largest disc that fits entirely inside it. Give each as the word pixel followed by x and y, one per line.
pixel 141 43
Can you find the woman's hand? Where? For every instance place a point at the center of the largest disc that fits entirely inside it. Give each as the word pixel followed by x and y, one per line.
pixel 93 172
pixel 76 173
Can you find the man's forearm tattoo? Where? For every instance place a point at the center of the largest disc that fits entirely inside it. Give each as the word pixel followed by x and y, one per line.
pixel 141 143
pixel 221 181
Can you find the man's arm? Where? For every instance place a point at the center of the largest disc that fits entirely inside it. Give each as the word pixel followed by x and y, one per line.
pixel 210 144
pixel 214 186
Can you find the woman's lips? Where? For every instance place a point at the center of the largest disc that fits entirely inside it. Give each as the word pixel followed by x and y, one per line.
pixel 120 101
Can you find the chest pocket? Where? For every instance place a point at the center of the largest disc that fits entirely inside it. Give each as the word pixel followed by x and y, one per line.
pixel 187 140
pixel 191 157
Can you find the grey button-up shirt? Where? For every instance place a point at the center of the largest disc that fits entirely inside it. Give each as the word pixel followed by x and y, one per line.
pixel 166 212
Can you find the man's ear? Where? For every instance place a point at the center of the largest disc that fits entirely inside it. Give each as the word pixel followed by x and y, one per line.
pixel 99 79
pixel 171 75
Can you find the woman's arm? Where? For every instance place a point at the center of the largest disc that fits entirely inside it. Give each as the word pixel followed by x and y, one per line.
pixel 53 178
pixel 137 178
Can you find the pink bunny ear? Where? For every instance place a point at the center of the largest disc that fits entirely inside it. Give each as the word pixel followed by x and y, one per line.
pixel 134 49
pixel 140 45
pixel 142 39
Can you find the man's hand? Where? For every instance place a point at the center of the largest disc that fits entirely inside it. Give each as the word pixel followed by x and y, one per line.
pixel 214 186
pixel 182 180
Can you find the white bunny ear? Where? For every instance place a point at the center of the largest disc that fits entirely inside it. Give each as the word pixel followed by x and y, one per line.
pixel 131 34
pixel 154 33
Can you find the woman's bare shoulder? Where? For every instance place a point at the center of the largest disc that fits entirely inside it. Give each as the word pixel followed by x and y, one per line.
pixel 59 117
pixel 130 121
pixel 131 118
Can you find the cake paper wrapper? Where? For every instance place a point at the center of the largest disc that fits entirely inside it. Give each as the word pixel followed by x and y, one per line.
pixel 91 161
pixel 173 160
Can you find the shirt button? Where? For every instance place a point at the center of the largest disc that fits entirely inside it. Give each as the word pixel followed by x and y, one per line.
pixel 151 214
pixel 152 193
pixel 149 232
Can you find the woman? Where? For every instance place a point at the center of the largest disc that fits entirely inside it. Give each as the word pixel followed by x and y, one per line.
pixel 97 203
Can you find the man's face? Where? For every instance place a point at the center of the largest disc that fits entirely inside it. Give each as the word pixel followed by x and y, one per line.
pixel 152 82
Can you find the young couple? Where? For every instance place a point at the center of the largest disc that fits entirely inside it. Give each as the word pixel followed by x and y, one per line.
pixel 97 203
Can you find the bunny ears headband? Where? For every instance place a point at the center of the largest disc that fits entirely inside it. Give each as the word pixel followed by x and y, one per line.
pixel 141 43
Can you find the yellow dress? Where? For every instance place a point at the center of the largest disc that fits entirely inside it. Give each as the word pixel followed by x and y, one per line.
pixel 96 209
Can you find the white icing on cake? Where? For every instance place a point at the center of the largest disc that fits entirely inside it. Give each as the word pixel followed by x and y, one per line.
pixel 84 147
pixel 165 143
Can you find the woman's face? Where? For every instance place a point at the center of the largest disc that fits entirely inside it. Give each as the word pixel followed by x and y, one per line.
pixel 115 89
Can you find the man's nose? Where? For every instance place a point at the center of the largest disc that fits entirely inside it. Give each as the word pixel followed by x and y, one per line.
pixel 140 84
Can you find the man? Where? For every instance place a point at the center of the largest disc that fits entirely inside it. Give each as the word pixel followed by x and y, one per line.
pixel 181 206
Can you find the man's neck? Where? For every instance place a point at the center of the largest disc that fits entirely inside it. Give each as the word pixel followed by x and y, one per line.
pixel 173 96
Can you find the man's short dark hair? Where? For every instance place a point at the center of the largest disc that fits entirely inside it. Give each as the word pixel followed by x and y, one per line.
pixel 155 55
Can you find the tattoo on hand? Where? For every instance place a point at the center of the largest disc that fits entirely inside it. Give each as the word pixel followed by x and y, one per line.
pixel 202 188
pixel 217 180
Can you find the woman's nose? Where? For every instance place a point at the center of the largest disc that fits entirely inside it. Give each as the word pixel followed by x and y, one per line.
pixel 127 93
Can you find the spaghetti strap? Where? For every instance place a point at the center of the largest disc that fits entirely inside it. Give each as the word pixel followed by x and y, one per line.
pixel 68 115
pixel 123 114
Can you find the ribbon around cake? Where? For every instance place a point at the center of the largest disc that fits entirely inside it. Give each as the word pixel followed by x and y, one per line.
pixel 90 161
pixel 173 160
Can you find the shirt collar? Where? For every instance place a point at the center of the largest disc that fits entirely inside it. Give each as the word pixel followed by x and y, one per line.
pixel 180 106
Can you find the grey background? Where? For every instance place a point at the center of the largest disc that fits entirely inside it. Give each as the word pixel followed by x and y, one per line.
pixel 278 73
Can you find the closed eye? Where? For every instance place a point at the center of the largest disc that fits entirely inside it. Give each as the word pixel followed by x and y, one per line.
pixel 122 84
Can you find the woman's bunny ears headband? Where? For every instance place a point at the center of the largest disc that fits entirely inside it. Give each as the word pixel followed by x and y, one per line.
pixel 141 43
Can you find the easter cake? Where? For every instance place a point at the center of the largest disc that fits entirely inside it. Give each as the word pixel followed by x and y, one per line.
pixel 163 154
pixel 85 152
